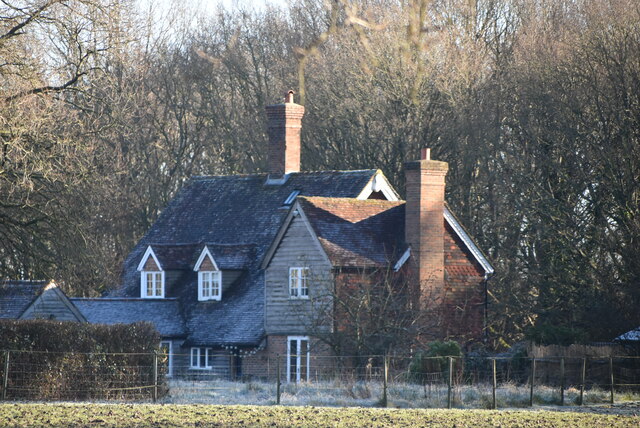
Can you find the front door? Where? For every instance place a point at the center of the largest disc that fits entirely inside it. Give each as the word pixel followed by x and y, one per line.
pixel 297 359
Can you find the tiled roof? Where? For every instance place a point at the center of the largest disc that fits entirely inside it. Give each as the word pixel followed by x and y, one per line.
pixel 16 296
pixel 235 320
pixel 356 232
pixel 237 217
pixel 632 335
pixel 232 256
pixel 164 314
pixel 176 257
pixel 184 256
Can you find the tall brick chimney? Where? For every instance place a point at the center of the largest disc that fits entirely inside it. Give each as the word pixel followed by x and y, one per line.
pixel 284 124
pixel 424 223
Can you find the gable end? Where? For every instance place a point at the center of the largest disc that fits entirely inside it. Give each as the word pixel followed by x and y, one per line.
pixel 468 242
pixel 295 211
pixel 206 261
pixel 145 264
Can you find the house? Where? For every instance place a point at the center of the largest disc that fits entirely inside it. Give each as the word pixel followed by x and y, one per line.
pixel 630 336
pixel 36 300
pixel 230 270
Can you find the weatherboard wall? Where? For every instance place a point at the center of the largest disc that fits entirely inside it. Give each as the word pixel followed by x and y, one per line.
pixel 286 315
pixel 49 305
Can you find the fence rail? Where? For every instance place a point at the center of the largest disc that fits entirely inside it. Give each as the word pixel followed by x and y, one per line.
pixel 406 381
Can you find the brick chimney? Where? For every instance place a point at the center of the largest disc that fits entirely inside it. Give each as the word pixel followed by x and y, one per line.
pixel 424 223
pixel 284 124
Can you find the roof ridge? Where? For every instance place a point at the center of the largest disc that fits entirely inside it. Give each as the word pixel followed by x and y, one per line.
pixel 24 281
pixel 195 244
pixel 355 200
pixel 264 174
pixel 129 299
pixel 179 244
pixel 249 244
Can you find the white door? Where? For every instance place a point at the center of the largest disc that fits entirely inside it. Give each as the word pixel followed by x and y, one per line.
pixel 297 359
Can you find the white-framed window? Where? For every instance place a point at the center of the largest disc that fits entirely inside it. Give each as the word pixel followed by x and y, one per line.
pixel 166 356
pixel 298 358
pixel 209 285
pixel 200 358
pixel 299 282
pixel 152 284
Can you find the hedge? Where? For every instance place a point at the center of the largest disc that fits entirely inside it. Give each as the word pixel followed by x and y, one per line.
pixel 51 360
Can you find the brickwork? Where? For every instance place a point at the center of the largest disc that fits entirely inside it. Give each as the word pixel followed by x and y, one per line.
pixel 284 125
pixel 206 265
pixel 151 265
pixel 448 275
pixel 424 227
pixel 263 364
pixel 464 284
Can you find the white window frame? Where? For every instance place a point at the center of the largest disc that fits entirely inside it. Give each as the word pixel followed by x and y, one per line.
pixel 216 285
pixel 299 283
pixel 169 356
pixel 298 340
pixel 143 284
pixel 197 351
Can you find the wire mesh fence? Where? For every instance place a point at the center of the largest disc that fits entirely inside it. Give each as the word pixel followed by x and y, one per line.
pixel 32 375
pixel 400 381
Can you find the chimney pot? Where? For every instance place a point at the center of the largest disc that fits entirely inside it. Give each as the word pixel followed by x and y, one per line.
pixel 425 154
pixel 289 97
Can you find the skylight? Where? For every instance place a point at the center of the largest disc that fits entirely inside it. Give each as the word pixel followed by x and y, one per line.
pixel 291 198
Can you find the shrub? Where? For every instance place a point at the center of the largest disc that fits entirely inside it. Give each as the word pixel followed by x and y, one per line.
pixel 552 334
pixel 67 360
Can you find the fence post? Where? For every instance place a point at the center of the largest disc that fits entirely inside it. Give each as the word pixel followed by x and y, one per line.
pixel 449 382
pixel 583 377
pixel 611 376
pixel 533 380
pixel 385 381
pixel 5 377
pixel 562 381
pixel 494 403
pixel 155 376
pixel 278 379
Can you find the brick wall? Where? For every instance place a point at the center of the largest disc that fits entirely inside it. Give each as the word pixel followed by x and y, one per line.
pixel 150 265
pixel 463 312
pixel 264 363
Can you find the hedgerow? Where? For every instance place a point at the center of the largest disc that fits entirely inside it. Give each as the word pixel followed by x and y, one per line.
pixel 78 361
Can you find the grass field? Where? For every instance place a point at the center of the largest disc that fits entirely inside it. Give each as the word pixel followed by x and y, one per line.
pixel 148 415
pixel 368 394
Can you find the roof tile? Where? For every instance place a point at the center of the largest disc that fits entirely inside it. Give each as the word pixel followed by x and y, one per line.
pixel 16 296
pixel 357 233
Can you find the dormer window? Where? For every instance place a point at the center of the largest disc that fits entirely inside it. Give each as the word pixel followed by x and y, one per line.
pixel 153 284
pixel 209 277
pixel 151 276
pixel 209 285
